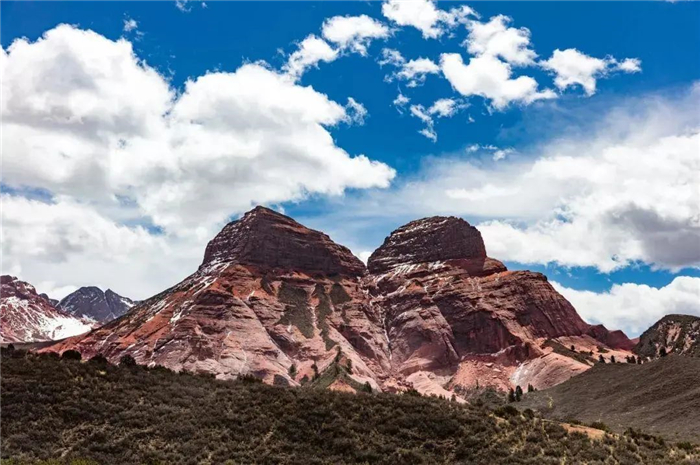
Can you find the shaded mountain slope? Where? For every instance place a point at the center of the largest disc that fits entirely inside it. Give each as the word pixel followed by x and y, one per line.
pixel 661 397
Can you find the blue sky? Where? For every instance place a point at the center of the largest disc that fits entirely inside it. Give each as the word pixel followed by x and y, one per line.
pixel 457 173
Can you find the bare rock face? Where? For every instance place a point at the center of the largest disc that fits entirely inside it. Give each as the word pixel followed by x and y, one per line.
pixel 272 299
pixel 450 311
pixel 615 339
pixel 678 334
pixel 91 303
pixel 26 316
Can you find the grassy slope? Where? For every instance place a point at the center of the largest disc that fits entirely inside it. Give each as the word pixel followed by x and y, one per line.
pixel 661 397
pixel 121 415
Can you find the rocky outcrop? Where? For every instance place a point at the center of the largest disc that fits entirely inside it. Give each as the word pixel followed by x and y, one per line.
pixel 272 298
pixel 678 334
pixel 268 240
pixel 277 300
pixel 91 303
pixel 26 316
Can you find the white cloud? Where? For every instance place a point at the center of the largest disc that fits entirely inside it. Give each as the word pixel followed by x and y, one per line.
pixel 496 39
pixel 97 130
pixel 415 71
pixel 310 52
pixel 635 307
pixel 412 71
pixel 490 78
pixel 442 108
pixel 498 154
pixel 356 111
pixel 391 57
pixel 572 67
pixel 130 24
pixel 425 16
pixel 400 102
pixel 610 191
pixel 354 32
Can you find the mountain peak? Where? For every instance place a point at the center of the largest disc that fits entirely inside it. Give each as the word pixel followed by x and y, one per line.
pixel 269 239
pixel 432 239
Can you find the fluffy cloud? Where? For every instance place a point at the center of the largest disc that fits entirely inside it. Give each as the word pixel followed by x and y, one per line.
pixel 498 153
pixel 495 38
pixel 622 192
pixel 310 52
pixel 572 67
pixel 635 307
pixel 425 16
pixel 354 32
pixel 442 108
pixel 490 78
pixel 95 129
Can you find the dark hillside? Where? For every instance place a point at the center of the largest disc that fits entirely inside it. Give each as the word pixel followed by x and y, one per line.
pixel 67 410
pixel 660 397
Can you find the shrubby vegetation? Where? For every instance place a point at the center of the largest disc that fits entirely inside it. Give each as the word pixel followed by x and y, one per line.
pixel 67 411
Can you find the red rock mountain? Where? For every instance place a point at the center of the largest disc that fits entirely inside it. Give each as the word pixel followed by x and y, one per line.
pixel 277 300
pixel 26 316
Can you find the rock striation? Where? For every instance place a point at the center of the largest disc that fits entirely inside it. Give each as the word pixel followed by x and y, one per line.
pixel 26 316
pixel 92 303
pixel 431 311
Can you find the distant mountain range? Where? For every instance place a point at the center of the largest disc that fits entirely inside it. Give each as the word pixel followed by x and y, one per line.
pixel 92 303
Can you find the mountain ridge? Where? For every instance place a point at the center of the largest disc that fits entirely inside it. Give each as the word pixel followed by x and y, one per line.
pixel 277 300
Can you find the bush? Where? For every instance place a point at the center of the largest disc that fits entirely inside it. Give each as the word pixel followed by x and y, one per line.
pixel 99 359
pixel 127 361
pixel 71 355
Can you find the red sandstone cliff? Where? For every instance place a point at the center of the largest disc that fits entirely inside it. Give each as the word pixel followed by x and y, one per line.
pixel 433 312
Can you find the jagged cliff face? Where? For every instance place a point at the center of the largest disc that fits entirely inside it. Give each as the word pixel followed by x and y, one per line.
pixel 26 316
pixel 269 294
pixel 91 303
pixel 432 312
pixel 678 334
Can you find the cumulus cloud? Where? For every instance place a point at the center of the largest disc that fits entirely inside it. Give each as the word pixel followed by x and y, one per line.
pixel 488 77
pixel 309 53
pixel 354 32
pixel 496 38
pixel 425 16
pixel 572 67
pixel 634 307
pixel 97 130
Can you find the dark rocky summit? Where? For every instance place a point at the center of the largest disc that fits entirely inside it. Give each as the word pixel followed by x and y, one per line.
pixel 269 239
pixel 90 302
pixel 428 240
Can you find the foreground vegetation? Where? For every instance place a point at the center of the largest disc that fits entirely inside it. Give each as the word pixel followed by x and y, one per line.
pixel 70 411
